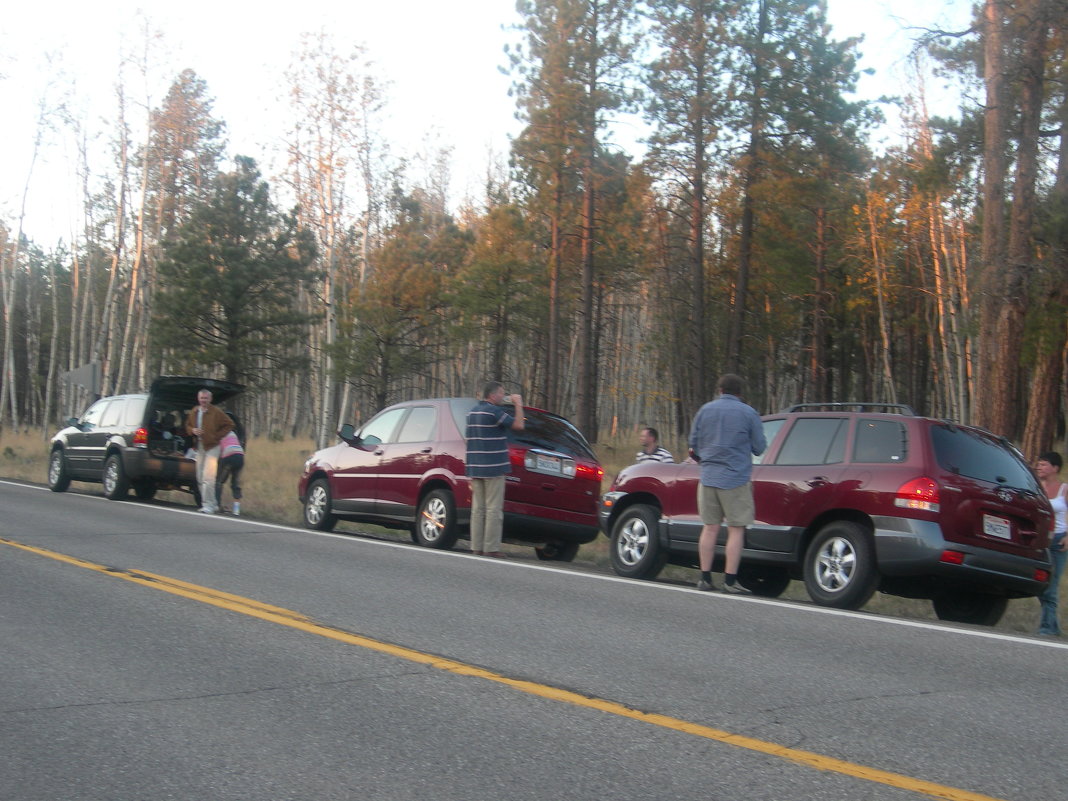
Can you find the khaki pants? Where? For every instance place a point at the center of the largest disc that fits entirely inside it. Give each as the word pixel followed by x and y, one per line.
pixel 487 513
pixel 207 467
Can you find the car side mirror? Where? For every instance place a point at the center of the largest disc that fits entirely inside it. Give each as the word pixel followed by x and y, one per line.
pixel 347 433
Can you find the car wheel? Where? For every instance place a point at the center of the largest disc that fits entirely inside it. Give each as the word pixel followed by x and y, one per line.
pixel 145 489
pixel 840 566
pixel 970 607
pixel 767 582
pixel 58 480
pixel 116 484
pixel 635 547
pixel 557 551
pixel 317 514
pixel 435 521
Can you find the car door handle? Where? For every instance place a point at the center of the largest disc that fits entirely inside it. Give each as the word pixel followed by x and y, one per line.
pixel 818 481
pixel 427 449
pixel 548 487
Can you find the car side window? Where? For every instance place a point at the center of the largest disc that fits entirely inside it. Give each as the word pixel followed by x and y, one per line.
pixel 815 440
pixel 380 430
pixel 419 425
pixel 880 441
pixel 113 413
pixel 771 430
pixel 135 411
pixel 91 418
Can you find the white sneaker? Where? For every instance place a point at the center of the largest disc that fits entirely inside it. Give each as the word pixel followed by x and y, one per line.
pixel 237 509
pixel 206 510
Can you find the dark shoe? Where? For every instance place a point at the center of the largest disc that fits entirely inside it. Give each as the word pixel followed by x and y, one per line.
pixel 496 554
pixel 705 586
pixel 735 589
pixel 477 553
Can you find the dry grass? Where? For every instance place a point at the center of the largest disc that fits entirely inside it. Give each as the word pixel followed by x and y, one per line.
pixel 270 493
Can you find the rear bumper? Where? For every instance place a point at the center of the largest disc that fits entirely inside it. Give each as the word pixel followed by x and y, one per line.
pixel 911 551
pixel 157 465
pixel 540 529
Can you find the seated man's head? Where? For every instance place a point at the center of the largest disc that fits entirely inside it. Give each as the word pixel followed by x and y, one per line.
pixel 648 438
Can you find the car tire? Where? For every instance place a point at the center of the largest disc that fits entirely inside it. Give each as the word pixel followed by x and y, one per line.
pixel 317 501
pixel 145 489
pixel 58 478
pixel 435 520
pixel 116 484
pixel 976 608
pixel 763 580
pixel 557 551
pixel 839 567
pixel 635 545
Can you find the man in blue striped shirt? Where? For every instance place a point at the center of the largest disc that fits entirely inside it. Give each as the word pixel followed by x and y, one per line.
pixel 488 464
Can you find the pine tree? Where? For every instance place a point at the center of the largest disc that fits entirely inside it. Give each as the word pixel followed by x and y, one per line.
pixel 232 275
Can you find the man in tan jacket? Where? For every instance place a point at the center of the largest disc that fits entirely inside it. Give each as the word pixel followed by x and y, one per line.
pixel 209 424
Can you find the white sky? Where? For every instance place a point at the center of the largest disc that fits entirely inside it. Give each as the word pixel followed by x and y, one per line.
pixel 441 59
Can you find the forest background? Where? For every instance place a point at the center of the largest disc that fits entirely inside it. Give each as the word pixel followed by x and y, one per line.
pixel 759 234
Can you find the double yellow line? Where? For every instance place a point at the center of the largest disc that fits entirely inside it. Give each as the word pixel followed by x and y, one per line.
pixel 295 620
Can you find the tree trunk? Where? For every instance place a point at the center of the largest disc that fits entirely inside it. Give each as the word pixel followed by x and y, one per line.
pixel 1047 384
pixel 752 171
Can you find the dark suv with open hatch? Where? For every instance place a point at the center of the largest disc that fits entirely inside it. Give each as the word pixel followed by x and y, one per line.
pixel 134 441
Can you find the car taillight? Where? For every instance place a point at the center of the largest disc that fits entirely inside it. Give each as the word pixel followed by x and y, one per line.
pixel 141 438
pixel 590 472
pixel 920 494
pixel 517 456
pixel 1042 575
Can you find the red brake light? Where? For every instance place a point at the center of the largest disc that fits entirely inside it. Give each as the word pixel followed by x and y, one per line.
pixel 920 493
pixel 591 472
pixel 141 438
pixel 952 557
pixel 1042 575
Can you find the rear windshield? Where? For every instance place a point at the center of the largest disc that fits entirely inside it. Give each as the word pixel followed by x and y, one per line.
pixel 551 433
pixel 541 430
pixel 978 455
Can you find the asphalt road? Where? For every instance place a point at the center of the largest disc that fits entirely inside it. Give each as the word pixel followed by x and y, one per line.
pixel 150 652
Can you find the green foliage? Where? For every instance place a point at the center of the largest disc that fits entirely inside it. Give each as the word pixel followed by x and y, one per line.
pixel 185 147
pixel 500 293
pixel 230 282
pixel 393 326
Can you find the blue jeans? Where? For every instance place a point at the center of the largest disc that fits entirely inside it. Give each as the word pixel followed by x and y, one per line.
pixel 1049 599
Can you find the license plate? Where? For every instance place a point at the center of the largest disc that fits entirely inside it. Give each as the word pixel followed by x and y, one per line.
pixel 549 464
pixel 997 527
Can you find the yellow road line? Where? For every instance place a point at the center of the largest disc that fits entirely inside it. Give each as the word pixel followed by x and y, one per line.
pixel 295 620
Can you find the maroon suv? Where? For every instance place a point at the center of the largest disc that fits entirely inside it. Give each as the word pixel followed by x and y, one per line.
pixel 405 469
pixel 852 502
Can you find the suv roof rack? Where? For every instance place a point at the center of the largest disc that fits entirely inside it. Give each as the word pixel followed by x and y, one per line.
pixel 857 406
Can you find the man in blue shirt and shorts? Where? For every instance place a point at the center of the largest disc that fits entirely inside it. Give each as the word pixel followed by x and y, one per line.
pixel 726 434
pixel 488 464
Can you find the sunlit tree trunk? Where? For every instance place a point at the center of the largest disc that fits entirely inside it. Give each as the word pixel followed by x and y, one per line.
pixel 1047 383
